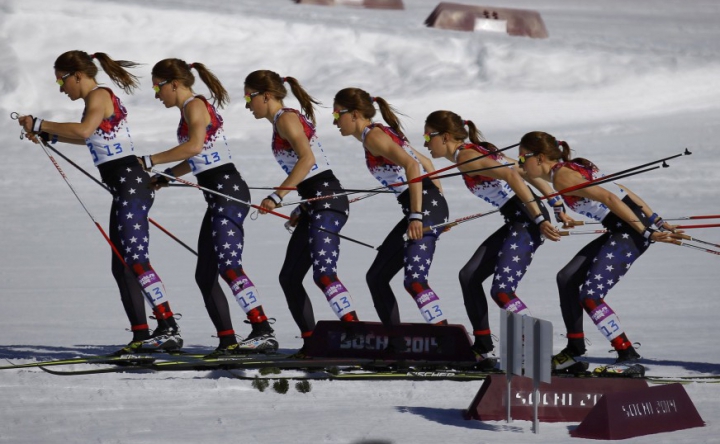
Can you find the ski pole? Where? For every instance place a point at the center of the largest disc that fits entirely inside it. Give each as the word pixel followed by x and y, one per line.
pixel 332 196
pixel 589 184
pixel 690 227
pixel 150 219
pixel 257 207
pixel 708 216
pixel 373 192
pixel 355 199
pixel 697 247
pixel 44 146
pixel 572 232
pixel 443 176
pixel 350 190
pixel 598 181
pixel 450 224
pixel 680 235
pixel 578 223
pixel 694 239
pixel 432 173
pixel 618 175
pixel 676 242
pixel 94 179
pixel 442 170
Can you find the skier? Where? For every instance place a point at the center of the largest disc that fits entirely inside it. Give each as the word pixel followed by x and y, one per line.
pixel 104 130
pixel 391 160
pixel 202 150
pixel 585 281
pixel 299 153
pixel 508 252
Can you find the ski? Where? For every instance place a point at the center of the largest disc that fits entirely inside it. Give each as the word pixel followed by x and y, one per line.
pixel 279 361
pixel 182 362
pixel 314 372
pixel 357 373
pixel 178 357
pixel 369 375
pixel 337 368
pixel 130 359
pixel 97 371
pixel 631 370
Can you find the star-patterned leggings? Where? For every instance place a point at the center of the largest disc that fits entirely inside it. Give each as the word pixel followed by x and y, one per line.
pixel 129 233
pixel 313 244
pixel 415 256
pixel 507 254
pixel 585 281
pixel 220 249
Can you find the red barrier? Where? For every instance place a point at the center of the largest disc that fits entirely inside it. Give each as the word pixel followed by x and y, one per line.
pixel 459 17
pixel 563 400
pixel 641 412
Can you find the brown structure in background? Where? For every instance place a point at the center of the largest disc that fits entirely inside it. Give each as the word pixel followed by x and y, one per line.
pixel 373 4
pixel 461 17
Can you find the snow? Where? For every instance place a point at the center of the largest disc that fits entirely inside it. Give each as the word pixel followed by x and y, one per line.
pixel 623 82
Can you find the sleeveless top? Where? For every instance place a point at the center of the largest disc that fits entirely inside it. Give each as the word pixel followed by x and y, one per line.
pixel 111 140
pixel 384 170
pixel 212 154
pixel 493 191
pixel 581 205
pixel 286 156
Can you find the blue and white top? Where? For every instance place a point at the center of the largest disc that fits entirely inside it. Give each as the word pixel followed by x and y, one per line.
pixel 493 191
pixel 286 156
pixel 384 170
pixel 212 155
pixel 111 140
pixel 587 207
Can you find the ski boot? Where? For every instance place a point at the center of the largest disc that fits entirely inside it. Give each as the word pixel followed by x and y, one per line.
pixel 627 355
pixel 565 362
pixel 260 340
pixel 166 337
pixel 482 348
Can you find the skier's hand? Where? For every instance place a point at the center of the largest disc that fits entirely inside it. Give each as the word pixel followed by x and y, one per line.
pixel 549 231
pixel 266 205
pixel 415 230
pixel 158 181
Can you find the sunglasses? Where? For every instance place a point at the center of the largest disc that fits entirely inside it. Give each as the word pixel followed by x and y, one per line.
pixel 337 114
pixel 61 80
pixel 157 87
pixel 249 97
pixel 428 136
pixel 522 159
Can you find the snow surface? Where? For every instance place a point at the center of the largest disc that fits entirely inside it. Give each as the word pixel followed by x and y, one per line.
pixel 623 82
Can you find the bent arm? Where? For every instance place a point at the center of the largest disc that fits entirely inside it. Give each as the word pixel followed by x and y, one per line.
pixel 98 107
pixel 291 129
pixel 197 118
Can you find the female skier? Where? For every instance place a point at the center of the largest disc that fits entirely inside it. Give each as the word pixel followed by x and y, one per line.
pixel 103 128
pixel 507 253
pixel 393 162
pixel 203 151
pixel 299 153
pixel 585 281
